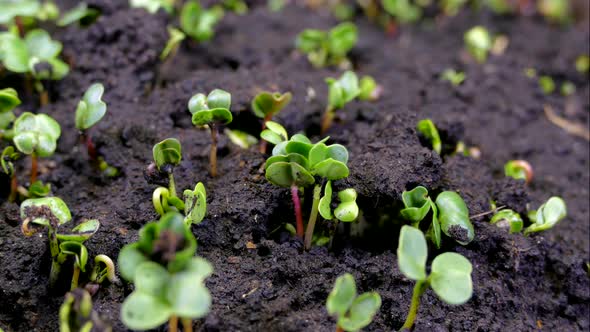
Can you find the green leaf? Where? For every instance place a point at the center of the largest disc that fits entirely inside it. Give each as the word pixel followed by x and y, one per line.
pixel 453 76
pixel 362 311
pixel 451 278
pixel 274 133
pixel 91 108
pixel 331 169
pixel 219 99
pixel 518 169
pixel 130 257
pixel 369 89
pixel 403 10
pixel 167 153
pixel 8 100
pixel 199 268
pixel 508 219
pixel 197 103
pixel 76 249
pixel 36 133
pixel 320 152
pixel 40 45
pixel 267 104
pixel 417 204
pixel 152 278
pixel 152 6
pixel 37 189
pixel 291 157
pixel 175 38
pixel 217 115
pixel 427 128
pixel 454 217
pixel 324 206
pixel 56 206
pixel 347 210
pixel 412 253
pixel 12 9
pixel 342 295
pixel 286 174
pixel 342 38
pixel 548 215
pixel 240 138
pixel 435 226
pixel 478 42
pixel 77 14
pixel 197 22
pixel 188 296
pixel 6 119
pixel 343 90
pixel 310 40
pixel 141 311
pixel 195 204
pixel 298 147
pixel 82 232
pixel 6 159
pixel 15 53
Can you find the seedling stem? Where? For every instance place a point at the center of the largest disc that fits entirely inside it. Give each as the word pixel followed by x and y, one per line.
pixel 419 289
pixel 263 142
pixel 90 147
pixel 13 188
pixel 213 152
pixel 173 324
pixel 297 207
pixel 34 167
pixel 187 325
pixel 75 277
pixel 327 119
pixel 171 184
pixel 313 216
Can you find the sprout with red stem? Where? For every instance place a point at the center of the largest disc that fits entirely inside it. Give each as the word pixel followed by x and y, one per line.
pixel 266 105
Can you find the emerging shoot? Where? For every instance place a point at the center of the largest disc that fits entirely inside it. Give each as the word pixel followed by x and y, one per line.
pixel 508 219
pixel 266 105
pixel 478 43
pixel 76 314
pixel 519 169
pixel 341 92
pixel 547 216
pixel 427 128
pixel 325 48
pixel 452 76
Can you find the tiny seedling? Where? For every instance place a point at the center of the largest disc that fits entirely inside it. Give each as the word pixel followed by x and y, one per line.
pixel 275 134
pixel 240 138
pixel 198 22
pixel 582 64
pixel 519 169
pixel 52 212
pixel 82 14
pixel 175 38
pixel 547 216
pixel 404 11
pixel 76 314
pixel 346 211
pixel 266 105
pixel 450 273
pixel 508 219
pixel 547 84
pixel 352 311
pixel 427 128
pixel 449 214
pixel 239 7
pixel 212 111
pixel 325 48
pixel 369 89
pixel 452 76
pixel 6 161
pixel 169 280
pixel 567 89
pixel 36 135
pixel 478 42
pixel 555 11
pixel 8 101
pixel 35 55
pixel 340 92
pixel 152 6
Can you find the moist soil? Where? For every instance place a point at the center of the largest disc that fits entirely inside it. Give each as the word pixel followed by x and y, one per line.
pixel 263 280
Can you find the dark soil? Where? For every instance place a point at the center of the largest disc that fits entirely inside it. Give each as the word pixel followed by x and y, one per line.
pixel 520 283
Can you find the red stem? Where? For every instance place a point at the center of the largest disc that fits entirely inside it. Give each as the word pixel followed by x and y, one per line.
pixel 33 168
pixel 339 329
pixel 297 207
pixel 13 188
pixel 18 21
pixel 92 154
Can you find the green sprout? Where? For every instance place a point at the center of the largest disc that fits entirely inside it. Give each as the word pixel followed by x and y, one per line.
pixel 519 169
pixel 277 135
pixel 427 128
pixel 547 84
pixel 555 11
pixel 212 111
pixel 239 7
pixel 508 219
pixel 547 216
pixel 35 55
pixel 450 273
pixel 13 12
pixel 51 213
pixel 452 7
pixel 76 314
pixel 36 135
pixel 175 38
pixel 452 76
pixel 340 92
pixel 199 23
pixel 404 11
pixel 449 214
pixel 152 6
pixel 296 164
pixel 582 64
pixel 500 7
pixel 369 89
pixel 352 311
pixel 266 105
pixel 567 89
pixel 82 14
pixel 8 101
pixel 6 161
pixel 169 280
pixel 325 48
pixel 240 138
pixel 478 42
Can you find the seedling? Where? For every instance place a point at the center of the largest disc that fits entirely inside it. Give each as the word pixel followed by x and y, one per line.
pixel 326 48
pixel 449 214
pixel 36 135
pixel 199 23
pixel 169 280
pixel 452 7
pixel 341 92
pixel 266 105
pixel 35 55
pixel 346 211
pixel 82 14
pixel 450 275
pixel 76 314
pixel 6 161
pixel 353 312
pixel 547 84
pixel 237 6
pixel 508 219
pixel 14 11
pixel 555 11
pixel 519 169
pixel 8 101
pixel 547 216
pixel 452 76
pixel 478 42
pixel 583 64
pixel 212 111
pixel 404 11
pixel 240 138
pixel 369 89
pixel 175 38
pixel 152 6
pixel 52 212
pixel 567 89
pixel 277 135
pixel 427 128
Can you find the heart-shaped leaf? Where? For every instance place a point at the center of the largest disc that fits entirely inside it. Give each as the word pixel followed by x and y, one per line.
pixel 152 278
pixel 412 253
pixel 451 278
pixel 331 169
pixel 130 257
pixel 417 204
pixel 342 295
pixel 188 296
pixel 91 108
pixel 286 174
pixel 267 104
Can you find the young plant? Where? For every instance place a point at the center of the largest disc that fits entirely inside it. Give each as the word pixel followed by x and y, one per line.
pixel 240 138
pixel 547 84
pixel 340 92
pixel 346 211
pixel 266 105
pixel 450 273
pixel 36 135
pixel 508 219
pixel 547 216
pixel 519 169
pixel 582 64
pixel 352 311
pixel 478 42
pixel 325 48
pixel 199 23
pixel 212 111
pixel 76 314
pixel 8 101
pixel 275 134
pixel 427 128
pixel 51 213
pixel 169 281
pixel 555 11
pixel 13 12
pixel 449 214
pixel 6 161
pixel 152 6
pixel 35 55
pixel 452 76
pixel 369 89
pixel 82 14
pixel 404 11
